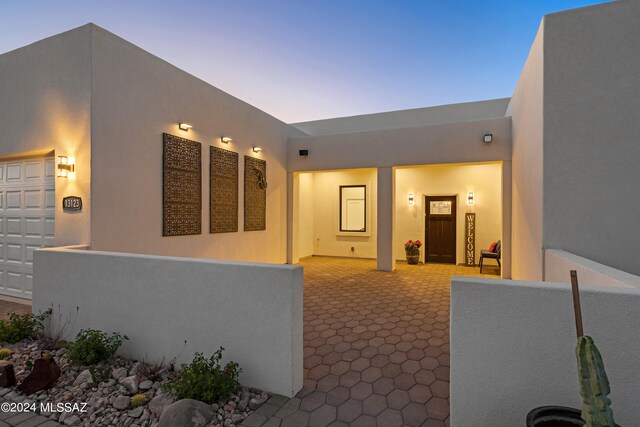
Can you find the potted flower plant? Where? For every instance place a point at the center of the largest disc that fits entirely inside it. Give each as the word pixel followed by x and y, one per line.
pixel 412 250
pixel 594 385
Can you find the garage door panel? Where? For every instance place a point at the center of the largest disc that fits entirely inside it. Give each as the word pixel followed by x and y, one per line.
pixel 14 253
pixel 33 199
pixel 34 170
pixel 14 172
pixel 49 199
pixel 13 227
pixel 34 228
pixel 27 211
pixel 14 199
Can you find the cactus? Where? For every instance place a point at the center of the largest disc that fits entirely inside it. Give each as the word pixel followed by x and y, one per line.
pixel 594 385
pixel 5 353
pixel 138 400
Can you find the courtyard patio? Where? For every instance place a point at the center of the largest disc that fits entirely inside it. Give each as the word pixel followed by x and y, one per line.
pixel 376 346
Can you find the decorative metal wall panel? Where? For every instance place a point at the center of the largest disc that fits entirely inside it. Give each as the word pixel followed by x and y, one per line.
pixel 255 194
pixel 223 191
pixel 181 186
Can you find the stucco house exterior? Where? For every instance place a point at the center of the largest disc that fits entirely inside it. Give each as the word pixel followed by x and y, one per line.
pixel 560 171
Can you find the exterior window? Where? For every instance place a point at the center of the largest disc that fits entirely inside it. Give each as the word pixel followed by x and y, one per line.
pixel 353 208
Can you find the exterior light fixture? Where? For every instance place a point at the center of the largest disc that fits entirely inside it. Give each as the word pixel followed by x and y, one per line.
pixel 64 167
pixel 488 137
pixel 184 126
pixel 257 149
pixel 411 201
pixel 226 139
pixel 470 198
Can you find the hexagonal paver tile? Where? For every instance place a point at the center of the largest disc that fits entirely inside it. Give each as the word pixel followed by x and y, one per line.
pixel 349 410
pixel 389 417
pixel 374 404
pixel 312 401
pixel 410 366
pixel 414 414
pixel 404 381
pixel 420 393
pixel 360 364
pixel 437 408
pixel 391 370
pixel 364 421
pixel 398 399
pixel 361 391
pixel 338 395
pixel 371 374
pixel 383 386
pixel 339 368
pixel 440 388
pixel 350 378
pixel 323 416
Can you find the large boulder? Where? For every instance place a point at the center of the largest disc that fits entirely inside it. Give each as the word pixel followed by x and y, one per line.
pixel 159 402
pixel 45 373
pixel 187 413
pixel 7 375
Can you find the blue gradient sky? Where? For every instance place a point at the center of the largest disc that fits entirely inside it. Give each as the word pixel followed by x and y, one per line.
pixel 310 59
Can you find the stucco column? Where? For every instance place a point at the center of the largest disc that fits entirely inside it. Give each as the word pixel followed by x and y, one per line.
pixel 386 219
pixel 506 220
pixel 291 200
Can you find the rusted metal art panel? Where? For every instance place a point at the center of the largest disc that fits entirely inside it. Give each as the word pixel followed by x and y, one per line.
pixel 181 186
pixel 255 194
pixel 223 191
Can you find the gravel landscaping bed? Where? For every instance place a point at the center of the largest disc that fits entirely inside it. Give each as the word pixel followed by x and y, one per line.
pixel 103 393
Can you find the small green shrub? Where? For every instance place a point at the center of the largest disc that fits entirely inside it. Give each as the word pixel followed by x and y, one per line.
pixel 100 374
pixel 205 379
pixel 92 346
pixel 21 326
pixel 138 400
pixel 5 353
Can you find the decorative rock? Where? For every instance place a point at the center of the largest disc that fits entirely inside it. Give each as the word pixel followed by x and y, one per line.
pixel 159 403
pixel 121 402
pixel 84 377
pixel 254 404
pixel 145 385
pixel 45 373
pixel 131 383
pixel 236 418
pixel 137 412
pixel 186 412
pixel 119 373
pixel 73 420
pixel 7 376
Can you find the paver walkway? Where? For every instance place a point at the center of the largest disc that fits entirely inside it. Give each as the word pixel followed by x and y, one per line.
pixel 24 419
pixel 7 307
pixel 376 347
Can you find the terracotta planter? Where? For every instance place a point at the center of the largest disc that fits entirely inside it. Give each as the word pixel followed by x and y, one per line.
pixel 413 259
pixel 555 416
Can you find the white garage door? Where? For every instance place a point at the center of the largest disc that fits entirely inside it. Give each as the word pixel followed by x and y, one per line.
pixel 27 220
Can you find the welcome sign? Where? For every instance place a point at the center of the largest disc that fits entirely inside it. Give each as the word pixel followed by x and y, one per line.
pixel 470 239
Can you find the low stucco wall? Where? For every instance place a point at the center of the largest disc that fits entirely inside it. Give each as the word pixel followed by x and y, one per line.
pixel 253 310
pixel 513 348
pixel 558 263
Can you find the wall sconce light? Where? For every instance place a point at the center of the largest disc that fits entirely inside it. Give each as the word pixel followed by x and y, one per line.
pixel 470 198
pixel 64 167
pixel 226 139
pixel 411 201
pixel 257 149
pixel 488 137
pixel 184 126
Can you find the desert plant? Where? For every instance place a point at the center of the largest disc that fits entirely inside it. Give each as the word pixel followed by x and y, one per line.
pixel 5 353
pixel 52 335
pixel 138 400
pixel 21 326
pixel 100 374
pixel 594 384
pixel 92 346
pixel 205 379
pixel 151 370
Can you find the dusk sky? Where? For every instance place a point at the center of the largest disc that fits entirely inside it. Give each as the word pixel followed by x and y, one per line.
pixel 312 59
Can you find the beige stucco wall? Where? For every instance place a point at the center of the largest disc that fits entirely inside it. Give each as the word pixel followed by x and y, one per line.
pixel 592 133
pixel 319 214
pixel 452 113
pixel 419 145
pixel 44 107
pixel 485 180
pixel 135 98
pixel 526 111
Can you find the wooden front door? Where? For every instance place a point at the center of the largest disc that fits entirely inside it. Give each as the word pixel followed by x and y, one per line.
pixel 440 229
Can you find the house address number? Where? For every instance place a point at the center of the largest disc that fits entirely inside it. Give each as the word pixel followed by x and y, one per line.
pixel 72 203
